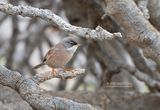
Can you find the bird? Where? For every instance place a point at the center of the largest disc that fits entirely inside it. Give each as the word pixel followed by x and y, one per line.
pixel 60 54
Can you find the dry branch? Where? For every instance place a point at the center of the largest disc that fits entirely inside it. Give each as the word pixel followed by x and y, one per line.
pixel 136 28
pixel 150 82
pixel 60 73
pixel 142 4
pixel 3 107
pixel 28 11
pixel 31 92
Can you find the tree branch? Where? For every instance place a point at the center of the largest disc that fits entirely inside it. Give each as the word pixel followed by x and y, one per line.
pixel 60 73
pixel 150 82
pixel 142 4
pixel 31 92
pixel 136 28
pixel 27 11
pixel 3 107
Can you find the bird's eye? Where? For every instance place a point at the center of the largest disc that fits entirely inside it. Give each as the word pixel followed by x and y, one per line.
pixel 69 43
pixel 44 59
pixel 73 43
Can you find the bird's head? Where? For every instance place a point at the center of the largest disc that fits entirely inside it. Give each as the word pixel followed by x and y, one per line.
pixel 71 44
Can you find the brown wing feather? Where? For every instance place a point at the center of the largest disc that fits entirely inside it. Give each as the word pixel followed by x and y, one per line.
pixel 57 56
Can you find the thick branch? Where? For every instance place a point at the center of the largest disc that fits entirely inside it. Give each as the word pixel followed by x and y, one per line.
pixel 31 92
pixel 27 11
pixel 60 73
pixel 3 107
pixel 142 4
pixel 152 83
pixel 154 7
pixel 136 28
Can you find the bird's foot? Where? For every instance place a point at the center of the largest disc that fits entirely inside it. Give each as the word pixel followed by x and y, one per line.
pixel 54 72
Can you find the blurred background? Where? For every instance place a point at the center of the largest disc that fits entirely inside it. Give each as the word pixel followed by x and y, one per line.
pixel 24 41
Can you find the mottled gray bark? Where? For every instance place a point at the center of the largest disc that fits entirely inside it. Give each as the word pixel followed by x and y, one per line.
pixel 136 28
pixel 154 7
pixel 31 92
pixel 27 11
pixel 60 73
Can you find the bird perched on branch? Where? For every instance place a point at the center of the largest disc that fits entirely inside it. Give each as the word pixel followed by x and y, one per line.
pixel 59 55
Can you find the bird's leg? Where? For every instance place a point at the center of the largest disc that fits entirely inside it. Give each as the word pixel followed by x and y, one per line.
pixel 54 72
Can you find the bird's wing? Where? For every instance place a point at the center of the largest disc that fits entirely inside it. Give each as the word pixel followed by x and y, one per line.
pixel 51 53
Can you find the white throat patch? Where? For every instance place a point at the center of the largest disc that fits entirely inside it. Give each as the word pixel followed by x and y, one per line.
pixel 72 49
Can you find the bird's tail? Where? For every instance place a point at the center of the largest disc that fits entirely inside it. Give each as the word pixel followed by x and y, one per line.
pixel 39 65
